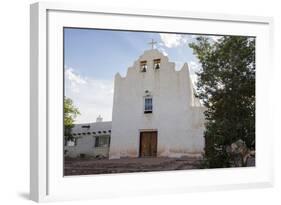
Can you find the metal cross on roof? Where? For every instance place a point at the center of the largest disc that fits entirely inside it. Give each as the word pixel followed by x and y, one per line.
pixel 152 43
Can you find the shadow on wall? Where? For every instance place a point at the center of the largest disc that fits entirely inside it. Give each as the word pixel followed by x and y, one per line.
pixel 24 195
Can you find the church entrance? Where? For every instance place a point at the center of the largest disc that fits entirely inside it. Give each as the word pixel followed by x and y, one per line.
pixel 148 144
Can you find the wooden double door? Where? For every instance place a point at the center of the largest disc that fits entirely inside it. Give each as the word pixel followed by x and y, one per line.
pixel 148 144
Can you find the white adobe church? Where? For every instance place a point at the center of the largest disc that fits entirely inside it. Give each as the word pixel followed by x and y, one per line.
pixel 155 113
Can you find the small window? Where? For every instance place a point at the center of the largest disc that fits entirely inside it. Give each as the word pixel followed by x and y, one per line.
pixel 156 64
pixel 143 66
pixel 148 105
pixel 102 141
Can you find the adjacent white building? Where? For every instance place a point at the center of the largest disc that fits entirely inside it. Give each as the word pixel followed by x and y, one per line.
pixel 155 114
pixel 90 139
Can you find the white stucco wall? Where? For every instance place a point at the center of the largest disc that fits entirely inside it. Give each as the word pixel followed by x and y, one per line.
pixel 85 137
pixel 86 145
pixel 176 115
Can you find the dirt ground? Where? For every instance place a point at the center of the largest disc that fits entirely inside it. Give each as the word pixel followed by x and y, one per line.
pixel 105 166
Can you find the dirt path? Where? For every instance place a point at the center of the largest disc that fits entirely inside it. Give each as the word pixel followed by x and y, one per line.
pixel 105 166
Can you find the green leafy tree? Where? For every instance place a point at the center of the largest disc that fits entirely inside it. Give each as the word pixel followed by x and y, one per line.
pixel 70 114
pixel 226 86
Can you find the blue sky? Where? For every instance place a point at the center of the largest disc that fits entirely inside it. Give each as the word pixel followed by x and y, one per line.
pixel 92 58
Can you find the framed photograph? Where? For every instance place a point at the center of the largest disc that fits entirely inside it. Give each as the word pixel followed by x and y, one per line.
pixel 127 102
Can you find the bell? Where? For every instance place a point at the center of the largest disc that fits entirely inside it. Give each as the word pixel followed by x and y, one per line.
pixel 157 66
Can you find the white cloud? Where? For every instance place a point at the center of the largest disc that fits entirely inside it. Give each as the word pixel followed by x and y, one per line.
pixel 75 80
pixel 93 97
pixel 215 38
pixel 162 50
pixel 171 40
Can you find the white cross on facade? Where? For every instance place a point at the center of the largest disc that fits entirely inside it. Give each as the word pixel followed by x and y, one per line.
pixel 152 43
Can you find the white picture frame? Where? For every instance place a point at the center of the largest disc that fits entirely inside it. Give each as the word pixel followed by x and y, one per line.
pixel 46 174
